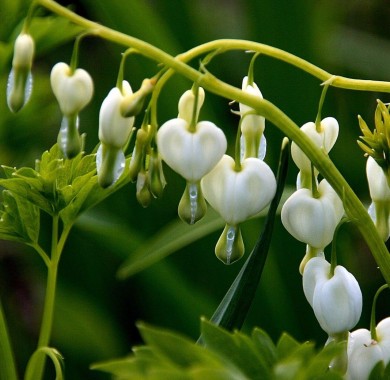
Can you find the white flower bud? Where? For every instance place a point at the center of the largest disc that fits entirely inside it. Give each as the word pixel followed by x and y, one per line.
pixel 252 126
pixel 239 195
pixel 73 90
pixel 19 84
pixel 364 352
pixel 313 220
pixel 324 139
pixel 191 154
pixel 336 300
pixel 187 102
pixel 114 129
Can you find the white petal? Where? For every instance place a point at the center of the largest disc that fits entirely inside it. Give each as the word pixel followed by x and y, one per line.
pixel 316 271
pixel 337 303
pixel 377 183
pixel 187 102
pixel 114 129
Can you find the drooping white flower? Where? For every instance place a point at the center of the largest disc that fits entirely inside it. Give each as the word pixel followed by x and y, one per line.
pixel 114 132
pixel 239 195
pixel 19 84
pixel 336 299
pixel 313 220
pixel 325 138
pixel 73 90
pixel 364 352
pixel 191 154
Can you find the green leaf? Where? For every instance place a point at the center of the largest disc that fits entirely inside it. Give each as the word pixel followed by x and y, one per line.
pixel 378 372
pixel 169 239
pixel 235 349
pixel 264 346
pixel 174 348
pixel 20 220
pixel 286 345
pixel 53 354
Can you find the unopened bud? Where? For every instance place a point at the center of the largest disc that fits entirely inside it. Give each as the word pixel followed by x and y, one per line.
pixel 143 194
pixel 138 155
pixel 157 180
pixel 132 105
pixel 20 79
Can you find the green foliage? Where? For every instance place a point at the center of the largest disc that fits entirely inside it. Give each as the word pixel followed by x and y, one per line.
pixel 224 355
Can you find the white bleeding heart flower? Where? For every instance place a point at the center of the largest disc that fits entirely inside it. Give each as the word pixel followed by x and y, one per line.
pixel 114 132
pixel 187 103
pixel 313 220
pixel 114 129
pixel 73 89
pixel 191 154
pixel 239 195
pixel 253 143
pixel 364 352
pixel 324 139
pixel 336 299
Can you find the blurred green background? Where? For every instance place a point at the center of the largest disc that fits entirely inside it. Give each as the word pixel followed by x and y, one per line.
pixel 95 312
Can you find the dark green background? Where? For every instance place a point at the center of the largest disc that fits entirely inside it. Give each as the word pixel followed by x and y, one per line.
pixel 96 313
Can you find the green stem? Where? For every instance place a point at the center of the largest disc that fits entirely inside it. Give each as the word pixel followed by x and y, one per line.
pixel 57 246
pixel 7 360
pixel 352 205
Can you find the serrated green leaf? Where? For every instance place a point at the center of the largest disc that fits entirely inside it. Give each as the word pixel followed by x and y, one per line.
pixel 8 171
pixel 286 345
pixel 235 349
pixel 20 219
pixel 19 187
pixel 175 349
pixel 264 345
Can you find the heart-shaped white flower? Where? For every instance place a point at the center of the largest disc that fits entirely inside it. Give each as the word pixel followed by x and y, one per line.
pixel 238 195
pixel 324 139
pixel 191 154
pixel 364 352
pixel 72 90
pixel 313 220
pixel 114 129
pixel 336 299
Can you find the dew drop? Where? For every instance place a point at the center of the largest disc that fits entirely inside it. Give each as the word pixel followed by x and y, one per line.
pixel 230 237
pixel 193 193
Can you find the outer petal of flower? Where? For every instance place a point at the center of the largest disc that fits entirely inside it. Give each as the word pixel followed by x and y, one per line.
pixel 191 154
pixel 114 129
pixel 316 271
pixel 383 336
pixel 337 303
pixel 324 139
pixel 312 220
pixel 72 90
pixel 377 182
pixel 239 195
pixel 363 354
pixel 186 104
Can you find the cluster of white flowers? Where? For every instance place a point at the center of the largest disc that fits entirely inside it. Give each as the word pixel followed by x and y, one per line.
pixel 237 188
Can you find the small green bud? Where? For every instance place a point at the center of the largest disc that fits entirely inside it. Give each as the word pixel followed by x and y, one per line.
pixel 157 180
pixel 192 205
pixel 132 104
pixel 143 194
pixel 230 246
pixel 138 155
